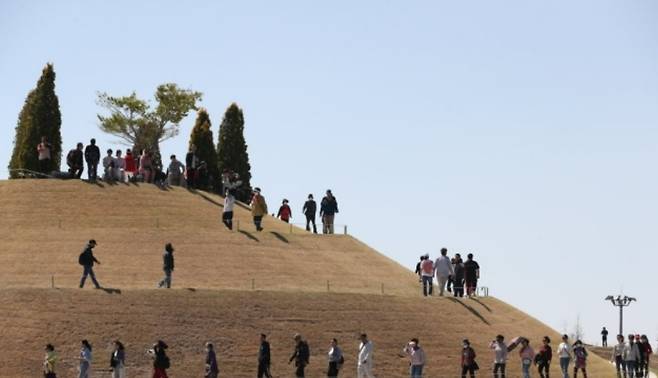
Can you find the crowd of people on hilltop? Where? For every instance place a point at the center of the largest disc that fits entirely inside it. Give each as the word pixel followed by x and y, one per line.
pixel 131 167
pixel 416 356
pixel 452 274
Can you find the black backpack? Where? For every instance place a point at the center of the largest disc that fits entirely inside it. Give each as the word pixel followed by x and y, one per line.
pixel 82 259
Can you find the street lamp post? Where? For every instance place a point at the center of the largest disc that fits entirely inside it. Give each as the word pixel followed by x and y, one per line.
pixel 620 302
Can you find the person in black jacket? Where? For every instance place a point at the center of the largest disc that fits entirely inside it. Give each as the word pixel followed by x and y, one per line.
pixel 191 165
pixel 167 266
pixel 264 358
pixel 310 208
pixel 160 359
pixel 301 356
pixel 87 261
pixel 328 210
pixel 74 161
pixel 92 157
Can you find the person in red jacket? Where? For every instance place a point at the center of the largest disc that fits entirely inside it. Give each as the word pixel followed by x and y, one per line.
pixel 284 212
pixel 131 165
pixel 468 360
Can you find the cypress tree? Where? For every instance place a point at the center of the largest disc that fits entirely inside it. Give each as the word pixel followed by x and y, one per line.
pixel 202 138
pixel 232 150
pixel 39 117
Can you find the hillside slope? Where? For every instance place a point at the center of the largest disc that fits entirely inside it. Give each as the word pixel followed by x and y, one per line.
pixel 228 288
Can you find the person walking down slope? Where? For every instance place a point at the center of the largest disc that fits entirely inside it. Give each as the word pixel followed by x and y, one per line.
pixel 416 356
pixel 471 275
pixel 618 356
pixel 301 355
pixel 580 356
pixel 500 356
pixel 468 360
pixel 264 358
pixel 564 353
pixel 364 358
pixel 118 360
pixel 544 357
pixel 85 360
pixel 284 211
pixel 212 370
pixel 160 359
pixel 44 150
pixel 74 161
pixel 227 212
pixel 309 210
pixel 258 209
pixel 443 268
pixel 87 260
pixel 49 362
pixel 328 211
pixel 604 337
pixel 427 269
pixel 167 266
pixel 335 357
pixel 92 157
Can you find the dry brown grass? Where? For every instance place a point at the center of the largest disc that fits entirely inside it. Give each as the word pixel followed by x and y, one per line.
pixel 132 224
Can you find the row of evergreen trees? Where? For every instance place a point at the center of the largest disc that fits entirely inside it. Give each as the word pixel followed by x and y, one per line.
pixel 138 124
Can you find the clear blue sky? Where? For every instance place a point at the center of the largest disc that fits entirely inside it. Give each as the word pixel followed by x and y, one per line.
pixel 524 132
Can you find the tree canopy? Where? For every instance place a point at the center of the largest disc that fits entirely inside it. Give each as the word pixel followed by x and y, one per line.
pixel 142 126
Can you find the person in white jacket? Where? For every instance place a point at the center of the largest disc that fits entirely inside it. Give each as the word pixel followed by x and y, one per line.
pixel 443 269
pixel 618 356
pixel 564 354
pixel 631 355
pixel 364 359
pixel 416 356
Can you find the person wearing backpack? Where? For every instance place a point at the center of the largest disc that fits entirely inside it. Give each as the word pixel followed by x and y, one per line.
pixel 301 355
pixel 336 359
pixel 87 260
pixel 427 274
pixel 74 161
pixel 92 157
pixel 160 359
pixel 167 266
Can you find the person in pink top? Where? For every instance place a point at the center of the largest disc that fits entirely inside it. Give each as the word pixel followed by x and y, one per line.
pixel 527 355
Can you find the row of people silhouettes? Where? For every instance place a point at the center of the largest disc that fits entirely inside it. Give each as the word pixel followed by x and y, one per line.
pixel 631 358
pixel 459 276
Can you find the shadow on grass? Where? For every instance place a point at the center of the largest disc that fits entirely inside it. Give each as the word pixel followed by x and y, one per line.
pixel 249 235
pixel 191 289
pixel 470 309
pixel 110 290
pixel 279 236
pixel 205 197
pixel 481 304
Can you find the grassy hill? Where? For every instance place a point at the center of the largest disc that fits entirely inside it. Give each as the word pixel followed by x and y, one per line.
pixel 229 287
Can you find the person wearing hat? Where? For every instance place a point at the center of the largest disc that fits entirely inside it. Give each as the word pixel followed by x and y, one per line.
pixel 309 210
pixel 468 359
pixel 328 210
pixel 416 358
pixel 301 355
pixel 212 370
pixel 167 266
pixel 258 209
pixel 284 212
pixel 364 358
pixel 87 261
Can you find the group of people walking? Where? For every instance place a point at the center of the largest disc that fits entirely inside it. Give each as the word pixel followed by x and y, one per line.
pixel 452 274
pixel 259 209
pixel 631 358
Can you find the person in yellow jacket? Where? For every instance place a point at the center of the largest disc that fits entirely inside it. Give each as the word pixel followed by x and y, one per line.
pixel 258 208
pixel 49 362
